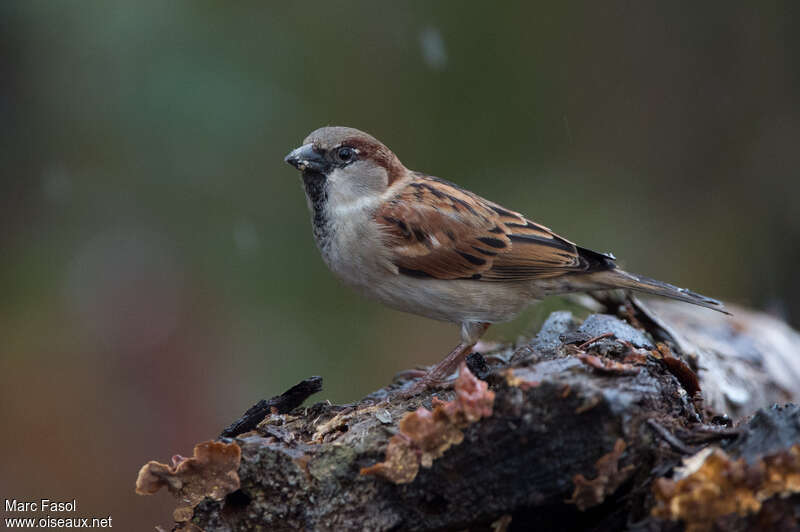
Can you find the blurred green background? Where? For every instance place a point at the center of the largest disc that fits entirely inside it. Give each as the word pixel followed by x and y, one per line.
pixel 158 270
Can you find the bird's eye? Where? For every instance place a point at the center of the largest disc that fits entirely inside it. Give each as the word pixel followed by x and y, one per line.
pixel 345 154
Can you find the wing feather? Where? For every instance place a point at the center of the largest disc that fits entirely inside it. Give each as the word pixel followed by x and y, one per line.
pixel 435 229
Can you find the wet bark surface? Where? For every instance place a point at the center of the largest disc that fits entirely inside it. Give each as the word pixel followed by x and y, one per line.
pixel 594 424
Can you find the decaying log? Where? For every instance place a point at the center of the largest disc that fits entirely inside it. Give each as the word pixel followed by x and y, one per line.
pixel 632 419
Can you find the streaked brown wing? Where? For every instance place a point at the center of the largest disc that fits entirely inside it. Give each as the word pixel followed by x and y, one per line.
pixel 436 229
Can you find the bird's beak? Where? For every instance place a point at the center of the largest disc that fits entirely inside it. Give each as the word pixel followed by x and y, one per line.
pixel 307 158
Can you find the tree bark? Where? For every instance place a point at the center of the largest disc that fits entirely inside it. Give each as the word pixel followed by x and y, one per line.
pixel 626 420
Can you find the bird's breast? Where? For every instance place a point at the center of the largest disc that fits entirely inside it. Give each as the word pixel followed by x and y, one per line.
pixel 347 239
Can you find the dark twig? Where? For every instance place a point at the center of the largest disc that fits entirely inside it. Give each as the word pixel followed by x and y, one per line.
pixel 282 404
pixel 668 437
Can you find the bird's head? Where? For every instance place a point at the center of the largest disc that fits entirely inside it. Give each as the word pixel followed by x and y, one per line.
pixel 350 164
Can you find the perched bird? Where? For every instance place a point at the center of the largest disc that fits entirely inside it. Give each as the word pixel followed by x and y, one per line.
pixel 423 245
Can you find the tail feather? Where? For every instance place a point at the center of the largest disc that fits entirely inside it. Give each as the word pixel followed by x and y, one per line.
pixel 616 278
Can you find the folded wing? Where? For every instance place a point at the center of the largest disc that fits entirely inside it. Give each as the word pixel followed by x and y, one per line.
pixel 436 229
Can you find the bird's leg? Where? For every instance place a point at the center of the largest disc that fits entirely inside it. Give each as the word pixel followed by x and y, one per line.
pixel 471 332
pixel 437 375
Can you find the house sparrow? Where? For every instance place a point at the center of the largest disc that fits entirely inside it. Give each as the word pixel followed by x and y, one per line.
pixel 423 245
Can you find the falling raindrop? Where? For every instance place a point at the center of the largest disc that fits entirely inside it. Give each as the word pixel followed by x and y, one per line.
pixel 246 238
pixel 433 50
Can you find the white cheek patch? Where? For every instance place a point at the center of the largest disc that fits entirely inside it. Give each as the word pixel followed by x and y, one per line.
pixel 335 176
pixel 349 190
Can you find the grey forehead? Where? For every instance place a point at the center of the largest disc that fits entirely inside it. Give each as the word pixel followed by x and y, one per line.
pixel 327 137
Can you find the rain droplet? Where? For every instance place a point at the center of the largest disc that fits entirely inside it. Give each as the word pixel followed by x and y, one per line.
pixel 433 50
